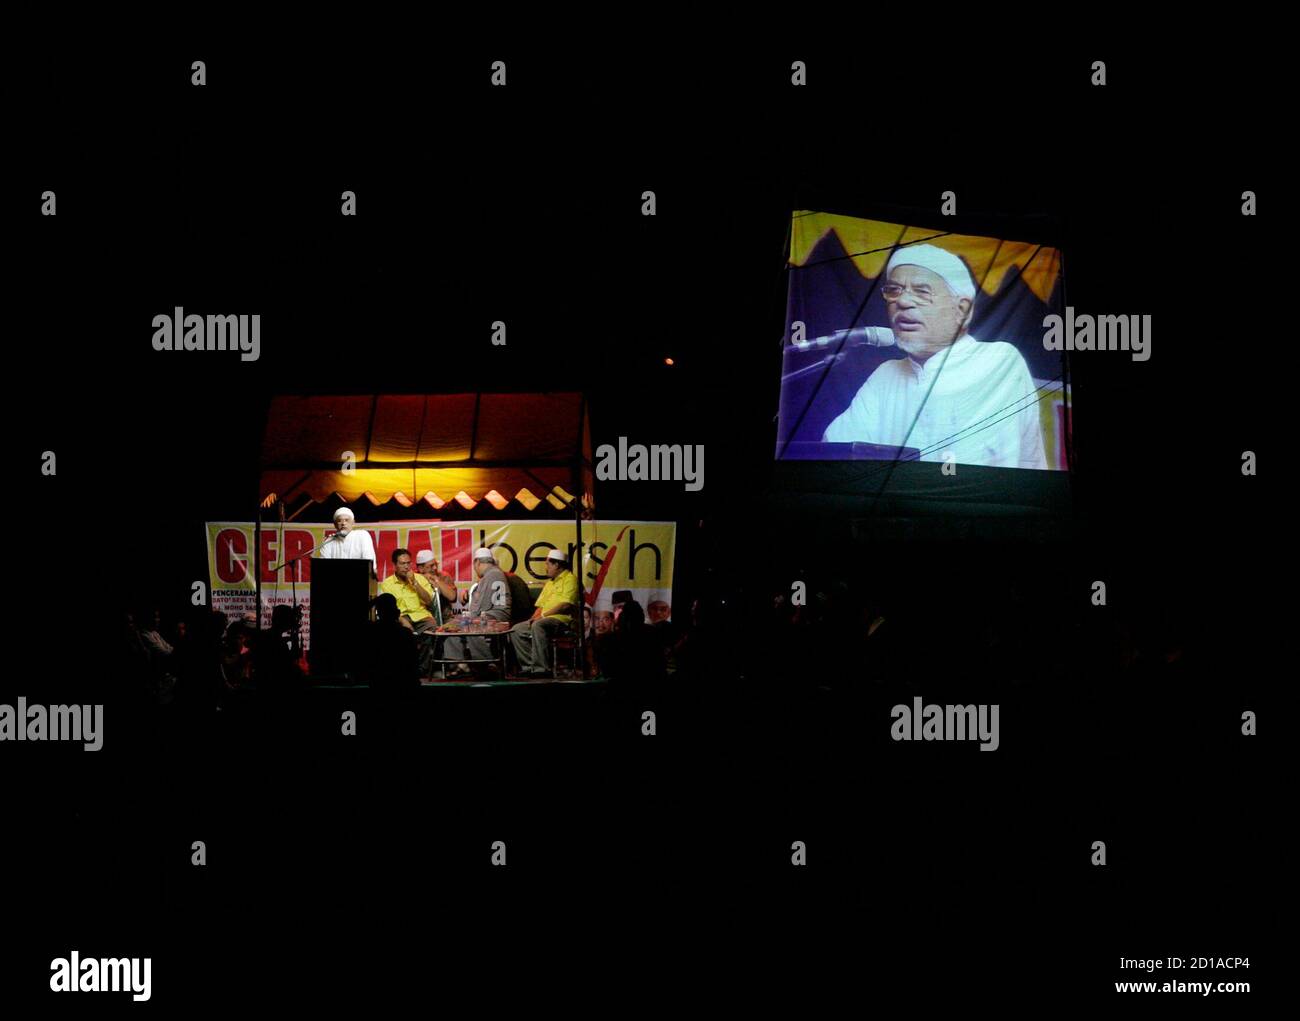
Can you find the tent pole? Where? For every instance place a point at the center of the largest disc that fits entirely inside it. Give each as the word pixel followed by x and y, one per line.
pixel 582 597
pixel 257 564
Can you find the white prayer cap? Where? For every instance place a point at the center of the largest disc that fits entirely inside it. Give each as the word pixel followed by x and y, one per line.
pixel 344 512
pixel 936 260
pixel 557 554
pixel 483 553
pixel 423 557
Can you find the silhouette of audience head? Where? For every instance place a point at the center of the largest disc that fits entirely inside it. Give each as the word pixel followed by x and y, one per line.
pixel 386 608
pixel 282 619
pixel 631 616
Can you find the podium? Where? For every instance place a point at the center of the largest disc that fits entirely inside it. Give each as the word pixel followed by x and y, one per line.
pixel 815 450
pixel 340 611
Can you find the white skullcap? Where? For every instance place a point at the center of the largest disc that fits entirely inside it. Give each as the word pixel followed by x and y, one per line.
pixel 423 557
pixel 483 553
pixel 344 512
pixel 556 554
pixel 936 260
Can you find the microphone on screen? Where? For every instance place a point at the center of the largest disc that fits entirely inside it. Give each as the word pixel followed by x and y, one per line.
pixel 858 336
pixel 837 345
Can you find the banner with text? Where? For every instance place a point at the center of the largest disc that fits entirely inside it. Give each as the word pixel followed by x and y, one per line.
pixel 636 556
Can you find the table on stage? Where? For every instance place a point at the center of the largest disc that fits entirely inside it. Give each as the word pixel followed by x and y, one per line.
pixel 469 628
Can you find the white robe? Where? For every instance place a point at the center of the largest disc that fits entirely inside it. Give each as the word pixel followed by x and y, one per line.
pixel 357 545
pixel 983 408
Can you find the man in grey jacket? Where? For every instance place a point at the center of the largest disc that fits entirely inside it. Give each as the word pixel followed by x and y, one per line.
pixel 492 601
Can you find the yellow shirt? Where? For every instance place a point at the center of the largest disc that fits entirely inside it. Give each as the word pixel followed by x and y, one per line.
pixel 557 591
pixel 408 603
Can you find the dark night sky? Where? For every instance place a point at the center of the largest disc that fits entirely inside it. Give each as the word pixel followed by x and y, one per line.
pixel 525 206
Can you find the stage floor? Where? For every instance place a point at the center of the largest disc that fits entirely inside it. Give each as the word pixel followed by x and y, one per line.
pixel 473 682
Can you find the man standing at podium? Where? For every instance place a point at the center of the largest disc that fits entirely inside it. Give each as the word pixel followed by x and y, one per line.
pixel 348 542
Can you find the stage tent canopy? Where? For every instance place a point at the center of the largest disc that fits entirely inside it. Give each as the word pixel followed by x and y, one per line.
pixel 438 448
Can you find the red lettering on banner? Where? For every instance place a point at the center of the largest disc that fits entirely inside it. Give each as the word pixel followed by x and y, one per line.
pixel 270 546
pixel 418 540
pixel 230 552
pixel 296 543
pixel 457 551
pixel 385 543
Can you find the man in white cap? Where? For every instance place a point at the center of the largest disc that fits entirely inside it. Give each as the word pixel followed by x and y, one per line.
pixel 427 565
pixel 951 394
pixel 491 601
pixel 552 612
pixel 348 542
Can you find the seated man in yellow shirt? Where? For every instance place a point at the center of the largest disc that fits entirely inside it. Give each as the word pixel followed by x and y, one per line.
pixel 414 597
pixel 553 611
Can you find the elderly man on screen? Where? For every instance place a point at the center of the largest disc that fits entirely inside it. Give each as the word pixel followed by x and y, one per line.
pixel 348 542
pixel 553 611
pixel 952 394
